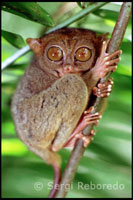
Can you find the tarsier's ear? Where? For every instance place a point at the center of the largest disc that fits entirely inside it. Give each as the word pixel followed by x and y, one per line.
pixel 35 45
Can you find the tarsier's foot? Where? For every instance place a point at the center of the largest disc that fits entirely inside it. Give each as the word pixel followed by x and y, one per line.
pixel 103 89
pixel 107 62
pixel 86 139
pixel 86 119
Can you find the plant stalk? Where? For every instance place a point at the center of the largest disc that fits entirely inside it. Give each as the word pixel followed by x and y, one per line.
pixel 77 153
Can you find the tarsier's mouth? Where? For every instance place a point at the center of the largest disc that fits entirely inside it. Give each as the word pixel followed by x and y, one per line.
pixel 61 73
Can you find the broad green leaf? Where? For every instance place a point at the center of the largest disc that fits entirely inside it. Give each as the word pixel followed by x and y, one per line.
pixel 29 10
pixel 14 39
pixel 106 14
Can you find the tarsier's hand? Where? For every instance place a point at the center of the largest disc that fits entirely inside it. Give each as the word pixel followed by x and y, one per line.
pixel 106 62
pixel 103 89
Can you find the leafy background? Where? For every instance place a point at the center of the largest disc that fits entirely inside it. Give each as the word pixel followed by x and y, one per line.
pixel 106 164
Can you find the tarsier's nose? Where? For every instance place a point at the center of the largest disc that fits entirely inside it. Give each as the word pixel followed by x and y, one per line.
pixel 68 68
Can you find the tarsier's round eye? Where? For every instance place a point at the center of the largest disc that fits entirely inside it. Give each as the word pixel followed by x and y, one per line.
pixel 83 54
pixel 55 53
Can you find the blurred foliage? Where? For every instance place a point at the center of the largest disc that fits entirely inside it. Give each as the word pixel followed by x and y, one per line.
pixel 29 10
pixel 106 164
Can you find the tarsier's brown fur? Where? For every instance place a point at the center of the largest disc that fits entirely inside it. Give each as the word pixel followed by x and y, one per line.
pixel 46 107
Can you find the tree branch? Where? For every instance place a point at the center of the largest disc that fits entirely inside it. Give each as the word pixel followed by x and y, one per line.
pixel 78 151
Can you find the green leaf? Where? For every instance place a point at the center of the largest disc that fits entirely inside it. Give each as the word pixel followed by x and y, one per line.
pixel 14 39
pixel 79 4
pixel 107 14
pixel 29 10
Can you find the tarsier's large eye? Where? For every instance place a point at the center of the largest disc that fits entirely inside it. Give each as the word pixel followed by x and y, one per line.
pixel 55 53
pixel 83 54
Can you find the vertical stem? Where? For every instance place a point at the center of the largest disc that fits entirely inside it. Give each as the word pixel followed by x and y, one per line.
pixel 78 151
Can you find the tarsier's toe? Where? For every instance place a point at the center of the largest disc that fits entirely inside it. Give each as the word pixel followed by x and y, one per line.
pixel 92 118
pixel 111 56
pixel 86 139
pixel 103 89
pixel 89 138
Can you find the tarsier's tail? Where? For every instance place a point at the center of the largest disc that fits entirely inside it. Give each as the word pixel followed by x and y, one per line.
pixel 53 159
pixel 57 178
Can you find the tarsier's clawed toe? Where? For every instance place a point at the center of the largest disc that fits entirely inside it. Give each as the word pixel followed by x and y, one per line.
pixel 103 89
pixel 86 139
pixel 89 118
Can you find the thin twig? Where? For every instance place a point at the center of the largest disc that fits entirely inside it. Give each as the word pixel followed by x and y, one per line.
pixel 78 151
pixel 67 22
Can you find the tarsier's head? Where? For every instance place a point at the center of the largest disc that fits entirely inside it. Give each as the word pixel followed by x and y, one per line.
pixel 67 50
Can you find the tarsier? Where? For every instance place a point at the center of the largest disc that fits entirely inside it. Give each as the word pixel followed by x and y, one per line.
pixel 50 104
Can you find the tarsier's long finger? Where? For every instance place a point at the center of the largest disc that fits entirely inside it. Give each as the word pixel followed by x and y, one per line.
pixel 92 122
pixel 104 47
pixel 91 116
pixel 112 62
pixel 108 69
pixel 115 54
pixel 111 68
